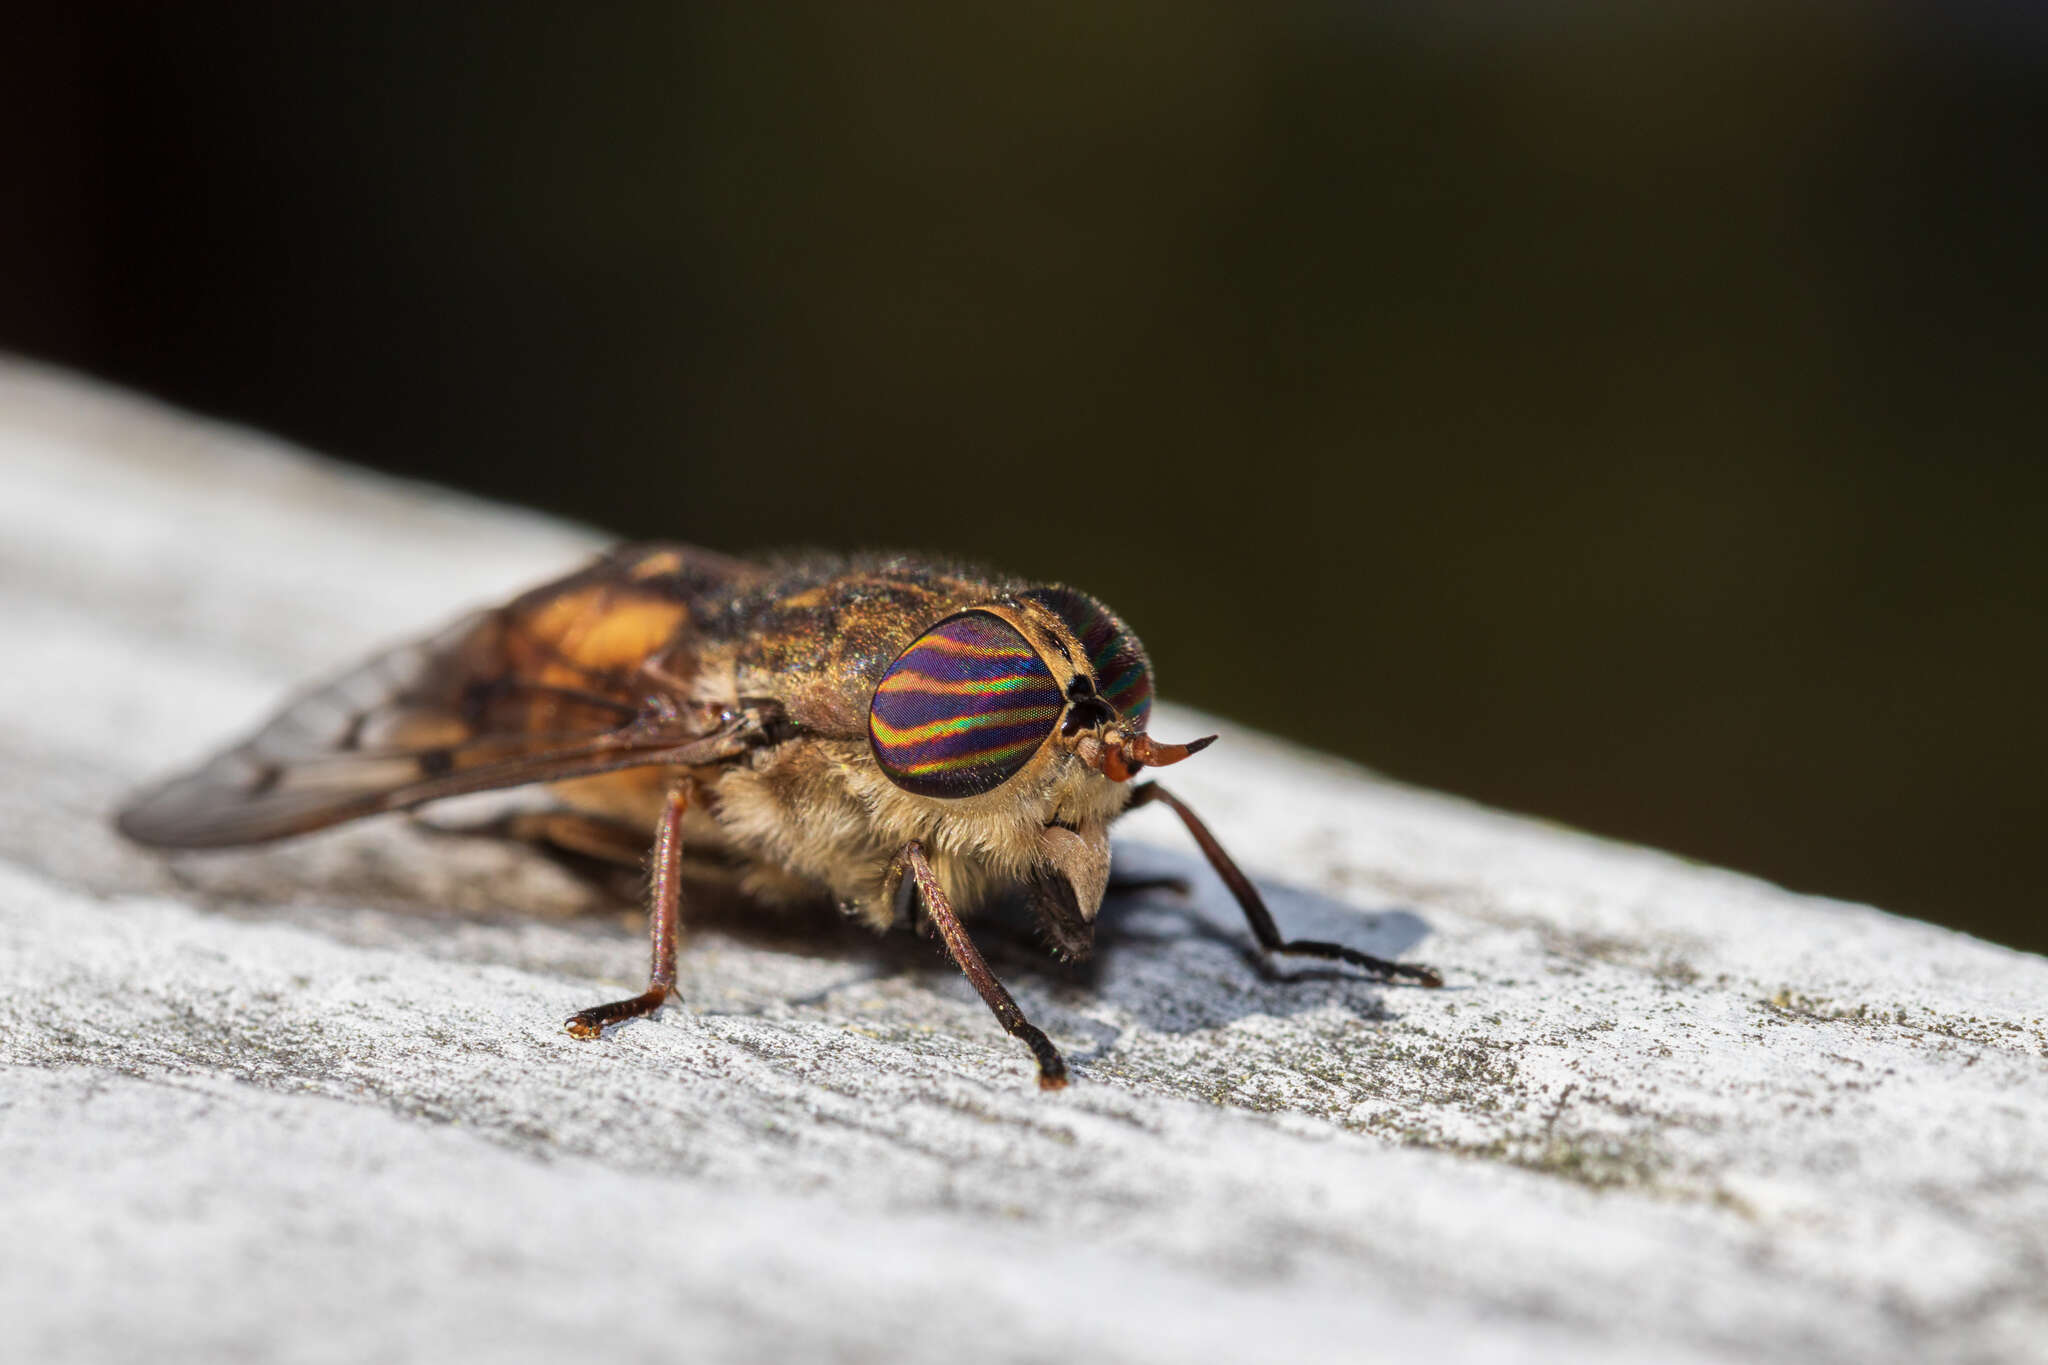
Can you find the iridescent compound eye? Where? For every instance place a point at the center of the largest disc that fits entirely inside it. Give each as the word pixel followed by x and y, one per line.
pixel 1123 675
pixel 963 709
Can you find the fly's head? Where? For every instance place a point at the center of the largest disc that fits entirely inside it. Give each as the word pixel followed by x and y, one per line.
pixel 1026 715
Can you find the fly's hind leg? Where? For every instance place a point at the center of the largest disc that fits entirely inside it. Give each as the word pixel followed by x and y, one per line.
pixel 609 854
pixel 664 913
pixel 1138 886
pixel 579 835
pixel 557 832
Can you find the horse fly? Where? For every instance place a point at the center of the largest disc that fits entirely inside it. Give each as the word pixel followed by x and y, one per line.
pixel 887 731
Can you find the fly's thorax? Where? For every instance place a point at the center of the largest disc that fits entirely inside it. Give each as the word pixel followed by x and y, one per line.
pixel 820 635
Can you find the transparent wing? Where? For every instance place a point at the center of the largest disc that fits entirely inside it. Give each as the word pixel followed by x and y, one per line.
pixel 547 688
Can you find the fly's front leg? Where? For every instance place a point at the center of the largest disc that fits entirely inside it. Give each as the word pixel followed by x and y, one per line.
pixel 664 912
pixel 1254 905
pixel 1052 1068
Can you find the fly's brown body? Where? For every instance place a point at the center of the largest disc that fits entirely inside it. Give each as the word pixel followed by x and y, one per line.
pixel 845 727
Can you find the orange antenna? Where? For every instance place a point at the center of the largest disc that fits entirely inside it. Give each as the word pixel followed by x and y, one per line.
pixel 1119 758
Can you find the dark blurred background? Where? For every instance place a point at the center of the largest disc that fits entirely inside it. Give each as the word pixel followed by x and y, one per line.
pixel 1632 417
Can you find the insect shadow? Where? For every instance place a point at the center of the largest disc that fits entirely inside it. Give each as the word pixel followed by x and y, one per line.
pixel 1161 903
pixel 1173 953
pixel 1182 960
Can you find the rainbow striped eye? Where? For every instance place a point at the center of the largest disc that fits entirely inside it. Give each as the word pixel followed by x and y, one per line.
pixel 1123 675
pixel 963 709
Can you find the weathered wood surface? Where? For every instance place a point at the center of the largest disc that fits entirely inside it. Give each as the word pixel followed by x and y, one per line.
pixel 314 1102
